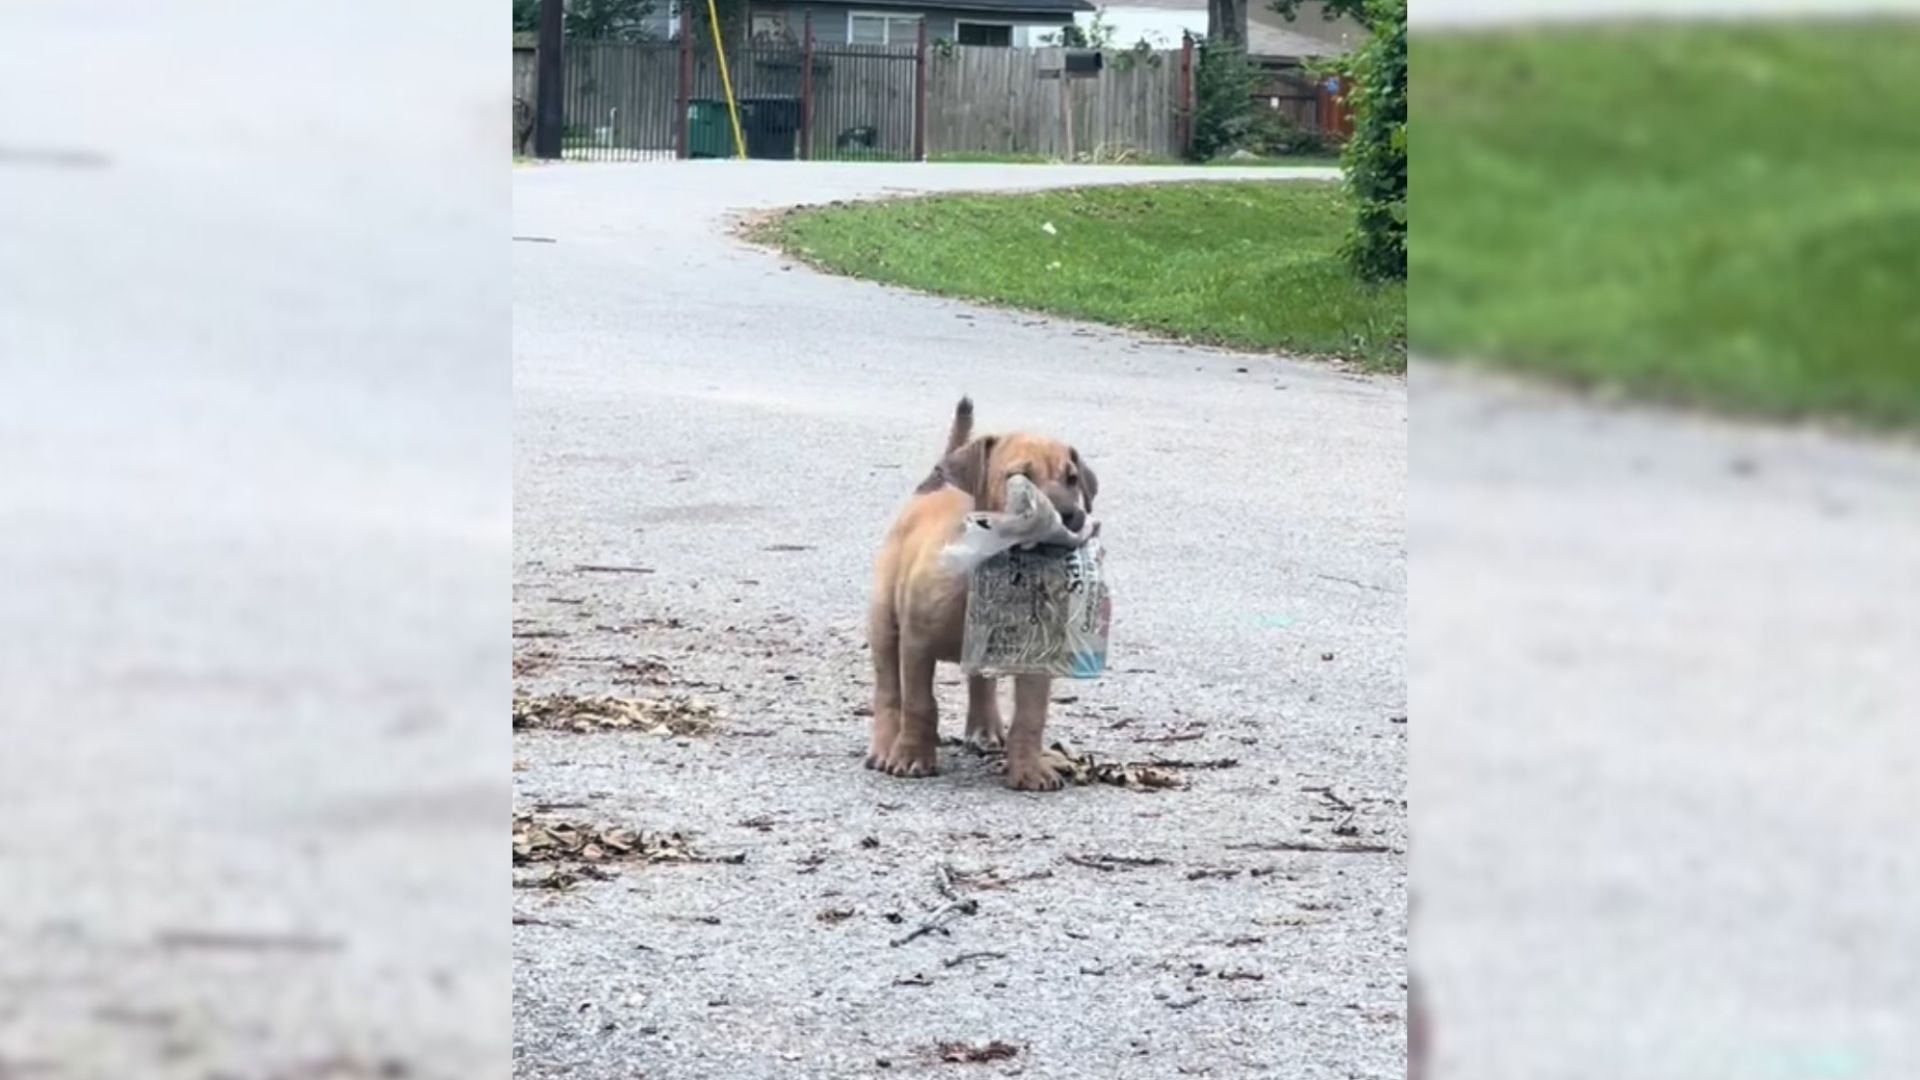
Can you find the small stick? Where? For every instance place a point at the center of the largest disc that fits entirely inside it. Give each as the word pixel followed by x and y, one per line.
pixel 1334 798
pixel 966 956
pixel 943 880
pixel 1184 736
pixel 933 922
pixel 1302 845
pixel 1110 863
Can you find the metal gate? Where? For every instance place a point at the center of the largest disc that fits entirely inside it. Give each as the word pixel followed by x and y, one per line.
pixel 797 98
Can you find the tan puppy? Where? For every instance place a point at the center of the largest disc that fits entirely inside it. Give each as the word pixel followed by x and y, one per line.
pixel 920 605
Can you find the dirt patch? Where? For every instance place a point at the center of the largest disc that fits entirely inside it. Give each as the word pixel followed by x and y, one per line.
pixel 677 716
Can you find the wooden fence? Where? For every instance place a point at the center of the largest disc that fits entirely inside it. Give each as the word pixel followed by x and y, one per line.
pixel 986 100
pixel 627 101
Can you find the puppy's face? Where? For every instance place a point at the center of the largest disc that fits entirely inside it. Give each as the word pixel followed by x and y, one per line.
pixel 983 466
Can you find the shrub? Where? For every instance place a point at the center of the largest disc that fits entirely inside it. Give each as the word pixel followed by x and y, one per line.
pixel 1223 82
pixel 1272 134
pixel 1376 154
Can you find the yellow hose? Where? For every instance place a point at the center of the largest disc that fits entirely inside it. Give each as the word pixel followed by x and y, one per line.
pixel 726 81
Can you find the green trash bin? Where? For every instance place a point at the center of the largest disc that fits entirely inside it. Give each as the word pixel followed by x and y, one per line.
pixel 709 130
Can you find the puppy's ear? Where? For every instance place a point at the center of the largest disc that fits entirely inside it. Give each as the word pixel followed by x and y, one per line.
pixel 1089 483
pixel 966 468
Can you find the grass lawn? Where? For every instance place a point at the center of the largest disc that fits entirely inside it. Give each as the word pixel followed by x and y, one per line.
pixel 1302 161
pixel 1722 215
pixel 1247 264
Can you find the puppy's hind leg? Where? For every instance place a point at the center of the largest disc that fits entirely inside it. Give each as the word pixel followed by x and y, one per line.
pixel 984 729
pixel 916 749
pixel 883 640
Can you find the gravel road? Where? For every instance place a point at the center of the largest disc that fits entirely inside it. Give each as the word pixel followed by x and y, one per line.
pixel 709 443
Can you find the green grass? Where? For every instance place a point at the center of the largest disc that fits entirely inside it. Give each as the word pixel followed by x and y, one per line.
pixel 1304 161
pixel 1245 264
pixel 1725 216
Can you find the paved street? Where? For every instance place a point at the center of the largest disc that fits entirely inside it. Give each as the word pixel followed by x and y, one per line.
pixel 731 434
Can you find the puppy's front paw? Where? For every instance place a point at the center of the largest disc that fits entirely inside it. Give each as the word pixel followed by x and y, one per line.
pixel 986 739
pixel 1033 774
pixel 911 760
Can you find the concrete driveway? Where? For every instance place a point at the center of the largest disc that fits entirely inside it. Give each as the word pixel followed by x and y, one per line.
pixel 709 443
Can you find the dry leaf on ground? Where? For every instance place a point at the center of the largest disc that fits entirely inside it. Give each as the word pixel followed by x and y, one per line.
pixel 1085 768
pixel 977 1055
pixel 606 712
pixel 574 851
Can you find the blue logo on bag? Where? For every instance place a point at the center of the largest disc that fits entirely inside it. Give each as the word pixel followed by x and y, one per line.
pixel 1088 665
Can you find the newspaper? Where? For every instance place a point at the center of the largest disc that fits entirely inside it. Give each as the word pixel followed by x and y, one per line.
pixel 1042 611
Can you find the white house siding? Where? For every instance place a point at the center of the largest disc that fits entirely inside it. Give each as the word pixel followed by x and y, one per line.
pixel 830 22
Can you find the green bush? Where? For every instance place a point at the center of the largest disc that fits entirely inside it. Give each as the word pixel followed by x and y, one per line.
pixel 1223 82
pixel 1272 134
pixel 1376 154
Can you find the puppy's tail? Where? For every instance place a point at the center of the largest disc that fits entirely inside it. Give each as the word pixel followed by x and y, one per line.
pixel 962 428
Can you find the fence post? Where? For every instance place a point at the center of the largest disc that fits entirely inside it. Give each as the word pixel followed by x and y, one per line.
pixel 681 146
pixel 920 96
pixel 549 118
pixel 806 87
pixel 1186 94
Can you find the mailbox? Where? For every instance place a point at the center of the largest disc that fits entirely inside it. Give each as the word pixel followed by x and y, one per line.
pixel 1083 62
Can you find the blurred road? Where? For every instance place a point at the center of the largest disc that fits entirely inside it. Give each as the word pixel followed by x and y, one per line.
pixel 1665 682
pixel 254 524
pixel 736 433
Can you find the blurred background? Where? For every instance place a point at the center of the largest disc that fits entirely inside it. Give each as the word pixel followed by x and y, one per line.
pixel 1664 519
pixel 255 493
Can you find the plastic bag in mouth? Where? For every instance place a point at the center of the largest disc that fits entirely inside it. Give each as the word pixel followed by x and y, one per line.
pixel 1043 611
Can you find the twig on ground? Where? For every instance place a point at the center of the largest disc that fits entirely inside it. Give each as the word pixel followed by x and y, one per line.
pixel 937 920
pixel 966 956
pixel 534 920
pixel 1308 845
pixel 1110 863
pixel 1333 797
pixel 956 904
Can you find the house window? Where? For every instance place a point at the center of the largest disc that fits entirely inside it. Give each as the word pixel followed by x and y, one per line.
pixel 973 33
pixel 769 22
pixel 876 28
